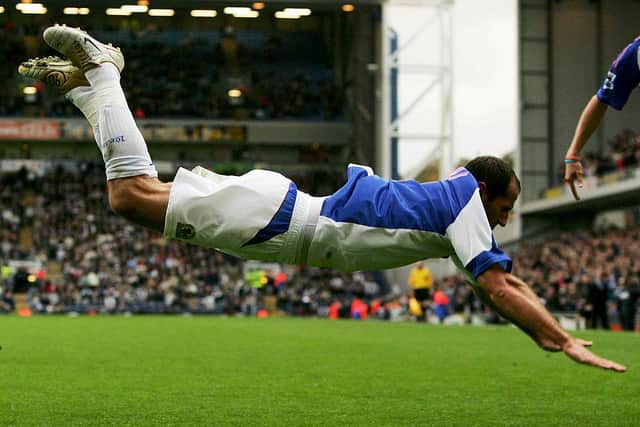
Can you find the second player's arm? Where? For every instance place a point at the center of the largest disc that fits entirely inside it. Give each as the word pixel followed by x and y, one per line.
pixel 589 121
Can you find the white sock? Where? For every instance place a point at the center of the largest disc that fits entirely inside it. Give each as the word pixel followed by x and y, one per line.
pixel 81 98
pixel 104 105
pixel 105 81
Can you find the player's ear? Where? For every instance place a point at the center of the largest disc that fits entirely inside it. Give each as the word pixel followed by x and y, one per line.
pixel 484 192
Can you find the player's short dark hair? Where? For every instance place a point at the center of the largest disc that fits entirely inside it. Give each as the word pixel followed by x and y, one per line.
pixel 494 172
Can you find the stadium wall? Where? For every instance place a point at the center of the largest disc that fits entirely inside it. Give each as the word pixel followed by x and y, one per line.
pixel 562 67
pixel 567 47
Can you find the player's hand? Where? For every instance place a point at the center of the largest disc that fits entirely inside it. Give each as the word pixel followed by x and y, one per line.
pixel 576 350
pixel 584 343
pixel 573 174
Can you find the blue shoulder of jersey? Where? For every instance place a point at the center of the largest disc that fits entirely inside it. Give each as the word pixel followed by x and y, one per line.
pixel 370 200
pixel 622 78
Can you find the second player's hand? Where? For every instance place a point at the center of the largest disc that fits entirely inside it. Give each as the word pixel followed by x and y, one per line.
pixel 573 174
pixel 576 350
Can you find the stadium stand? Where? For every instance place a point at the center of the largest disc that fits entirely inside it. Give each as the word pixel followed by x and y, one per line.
pixel 110 266
pixel 63 247
pixel 617 161
pixel 620 153
pixel 292 82
pixel 591 275
pixel 60 243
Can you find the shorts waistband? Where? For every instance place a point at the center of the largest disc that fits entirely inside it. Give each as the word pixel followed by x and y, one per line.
pixel 309 228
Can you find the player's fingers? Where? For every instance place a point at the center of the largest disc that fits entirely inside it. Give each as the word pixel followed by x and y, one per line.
pixel 599 362
pixel 572 185
pixel 618 368
pixel 569 174
pixel 579 175
pixel 612 366
pixel 584 343
pixel 573 175
pixel 580 354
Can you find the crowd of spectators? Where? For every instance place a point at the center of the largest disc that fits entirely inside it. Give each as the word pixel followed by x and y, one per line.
pixel 182 74
pixel 590 276
pixel 11 216
pixel 621 152
pixel 109 266
pixel 593 273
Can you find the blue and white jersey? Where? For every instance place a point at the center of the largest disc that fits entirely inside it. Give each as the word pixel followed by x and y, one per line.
pixel 622 78
pixel 374 223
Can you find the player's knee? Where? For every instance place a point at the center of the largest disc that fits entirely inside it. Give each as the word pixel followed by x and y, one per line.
pixel 122 197
pixel 140 199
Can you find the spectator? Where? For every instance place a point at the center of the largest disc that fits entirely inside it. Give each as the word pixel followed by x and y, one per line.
pixel 420 282
pixel 627 296
pixel 441 304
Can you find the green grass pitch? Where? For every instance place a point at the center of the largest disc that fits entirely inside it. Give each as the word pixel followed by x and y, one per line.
pixel 293 372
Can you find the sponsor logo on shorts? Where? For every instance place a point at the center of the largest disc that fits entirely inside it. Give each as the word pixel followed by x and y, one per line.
pixel 185 231
pixel 116 140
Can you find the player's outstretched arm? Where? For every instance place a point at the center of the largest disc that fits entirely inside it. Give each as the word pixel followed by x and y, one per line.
pixel 515 301
pixel 589 121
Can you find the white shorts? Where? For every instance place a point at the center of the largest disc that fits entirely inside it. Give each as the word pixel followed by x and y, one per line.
pixel 259 215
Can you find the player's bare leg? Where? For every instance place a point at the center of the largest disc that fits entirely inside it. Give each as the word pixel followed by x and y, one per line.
pixel 140 199
pixel 90 78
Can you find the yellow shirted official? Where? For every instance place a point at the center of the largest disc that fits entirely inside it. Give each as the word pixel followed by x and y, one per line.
pixel 420 277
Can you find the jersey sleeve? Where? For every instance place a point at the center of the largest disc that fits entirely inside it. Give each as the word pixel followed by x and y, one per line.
pixel 473 241
pixel 622 78
pixel 487 259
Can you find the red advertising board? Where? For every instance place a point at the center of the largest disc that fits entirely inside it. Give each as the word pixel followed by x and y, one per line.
pixel 29 129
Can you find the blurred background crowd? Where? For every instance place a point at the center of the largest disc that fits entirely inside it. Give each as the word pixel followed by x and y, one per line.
pixel 620 153
pixel 214 74
pixel 62 247
pixel 98 263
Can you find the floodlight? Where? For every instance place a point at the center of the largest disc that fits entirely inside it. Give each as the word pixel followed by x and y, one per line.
pixel 298 11
pixel 161 12
pixel 283 15
pixel 234 10
pixel 203 13
pixel 76 10
pixel 135 8
pixel 112 11
pixel 31 8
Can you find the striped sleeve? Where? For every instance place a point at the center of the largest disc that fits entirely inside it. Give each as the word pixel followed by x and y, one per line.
pixel 622 78
pixel 473 241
